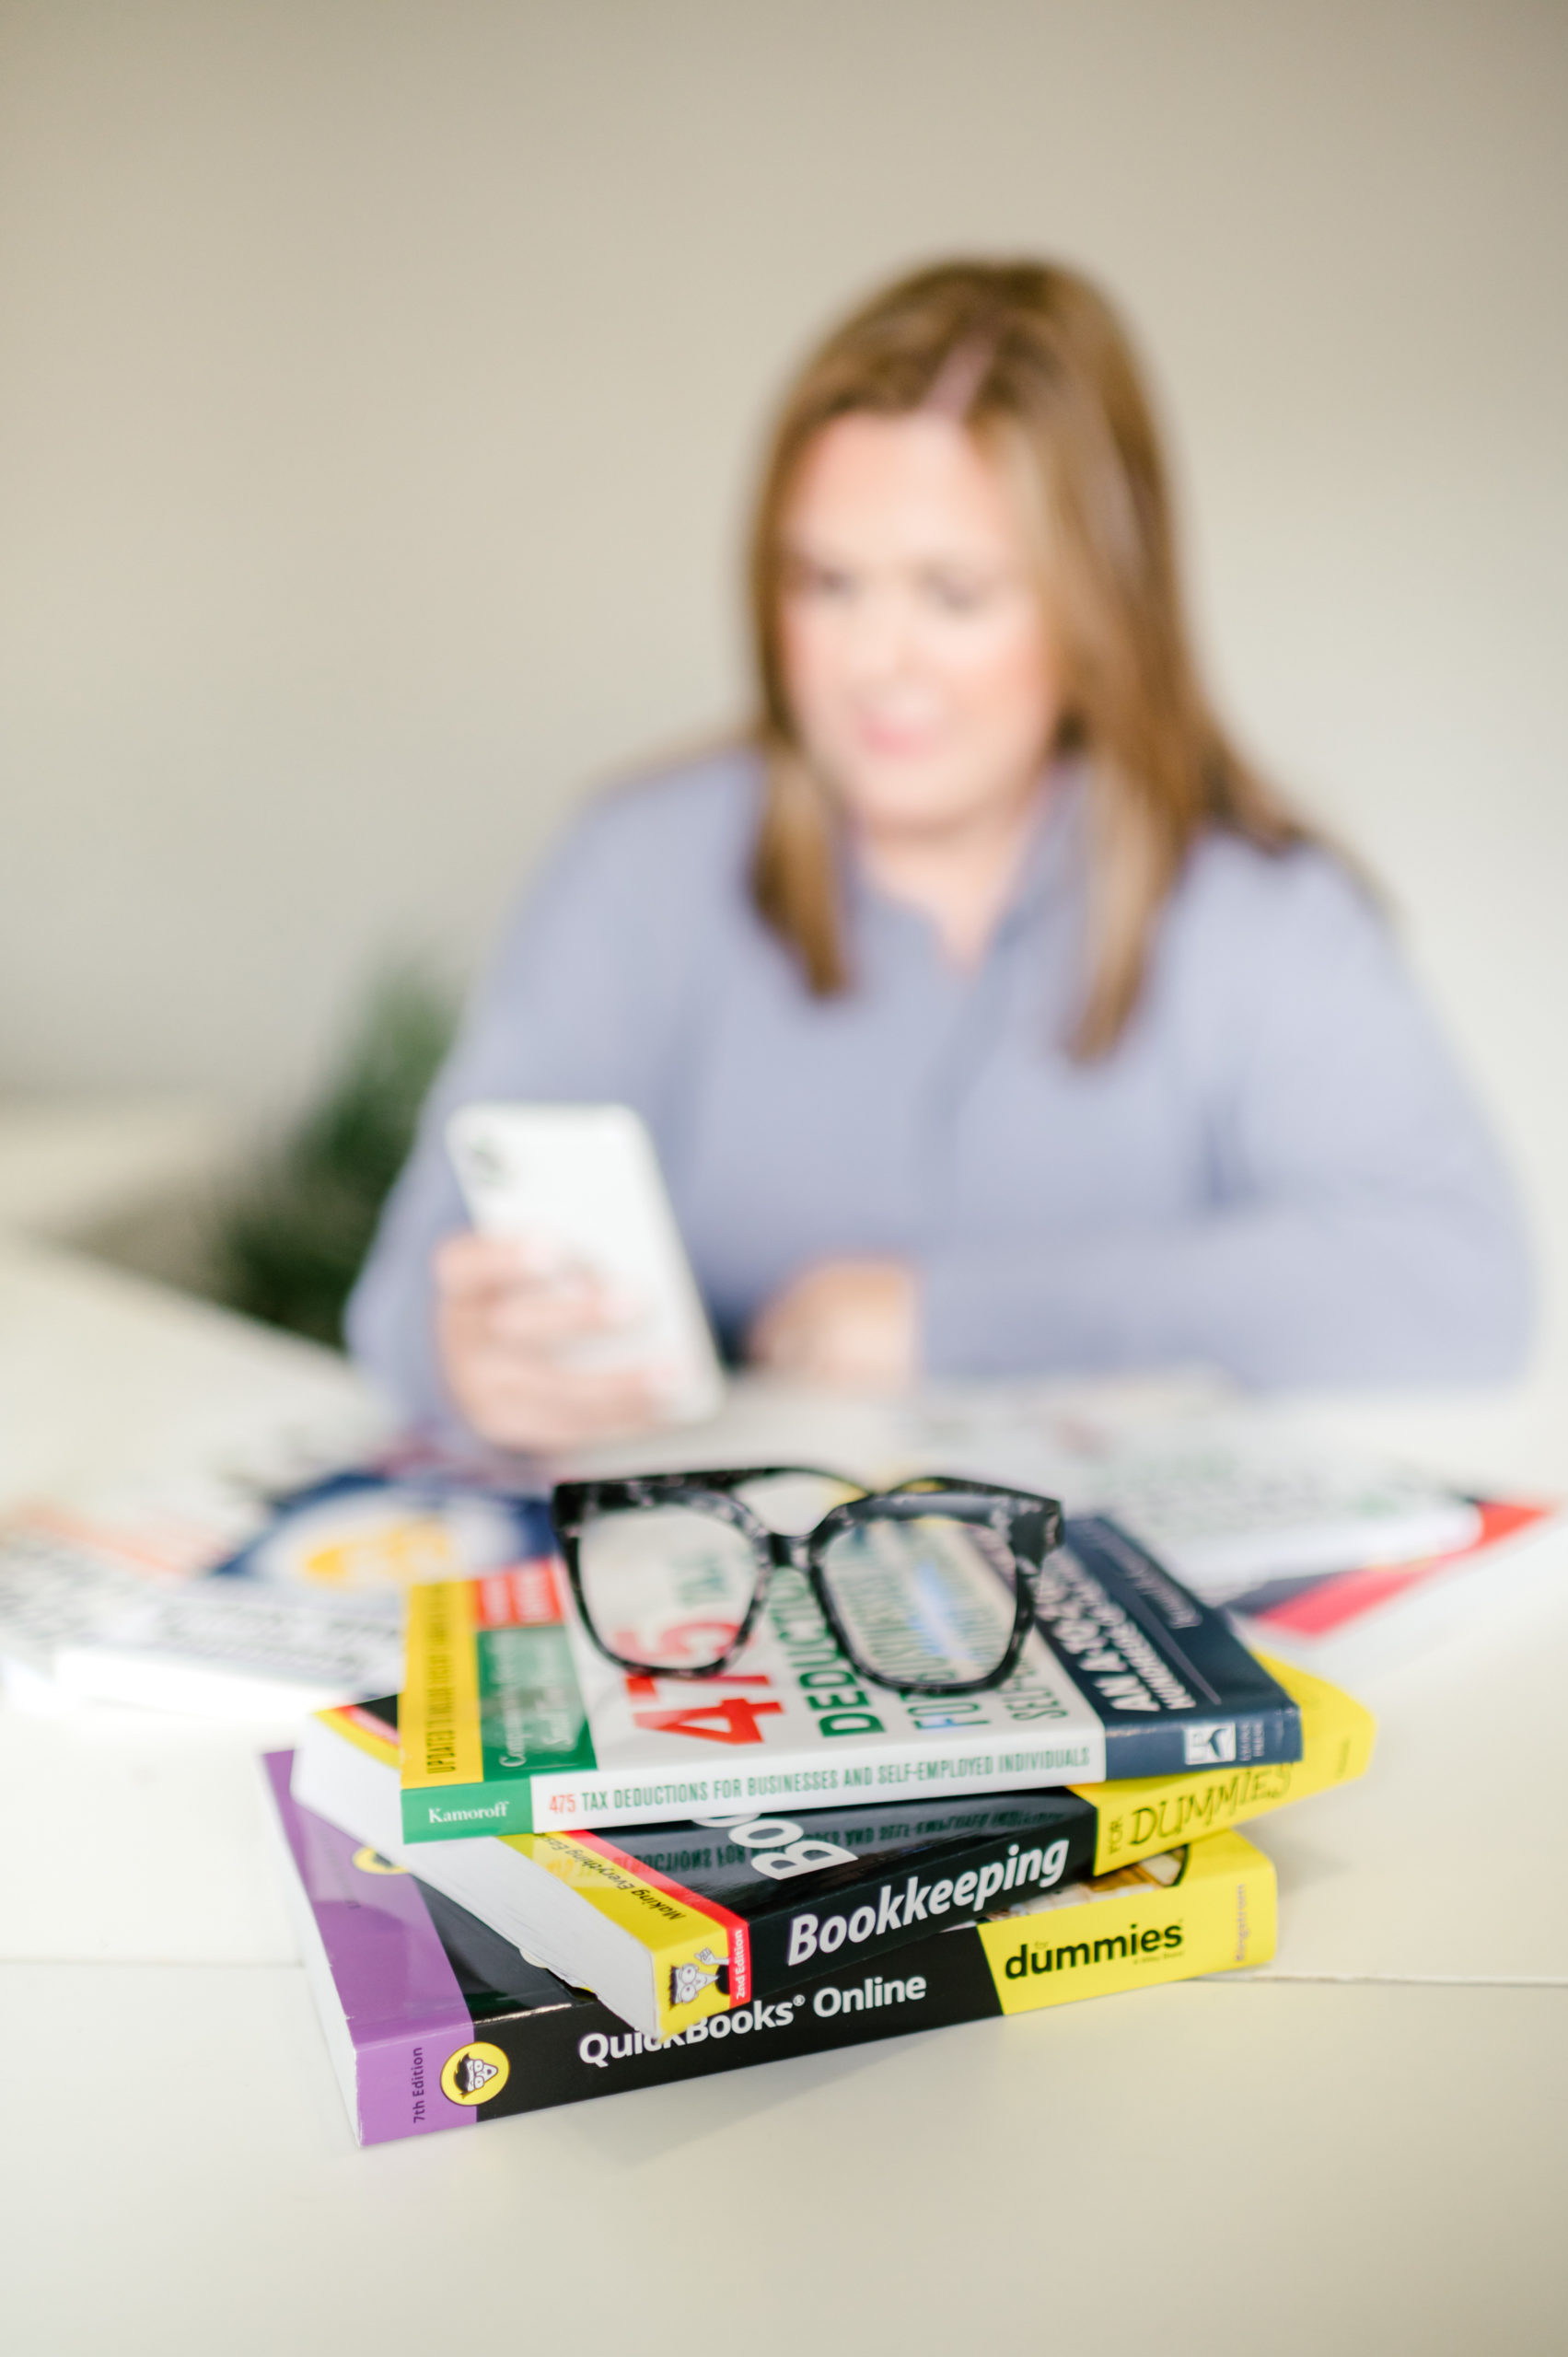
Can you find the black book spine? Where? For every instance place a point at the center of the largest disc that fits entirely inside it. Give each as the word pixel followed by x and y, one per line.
pixel 573 2052
pixel 959 1883
pixel 1206 1740
pixel 1173 1685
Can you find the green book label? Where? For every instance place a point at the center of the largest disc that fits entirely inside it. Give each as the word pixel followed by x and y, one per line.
pixel 531 1717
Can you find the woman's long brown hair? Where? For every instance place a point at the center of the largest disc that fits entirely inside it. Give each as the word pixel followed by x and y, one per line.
pixel 1033 360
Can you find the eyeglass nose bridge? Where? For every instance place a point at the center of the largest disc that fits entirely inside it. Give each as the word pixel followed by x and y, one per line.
pixel 787 1551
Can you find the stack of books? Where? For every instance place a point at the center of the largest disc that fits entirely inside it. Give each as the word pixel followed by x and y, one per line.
pixel 532 1879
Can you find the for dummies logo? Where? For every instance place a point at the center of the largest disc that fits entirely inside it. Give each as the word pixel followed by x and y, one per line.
pixel 1040 1956
pixel 687 1982
pixel 371 1861
pixel 474 2073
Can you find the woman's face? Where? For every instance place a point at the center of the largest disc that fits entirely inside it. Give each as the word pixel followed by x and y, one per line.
pixel 920 670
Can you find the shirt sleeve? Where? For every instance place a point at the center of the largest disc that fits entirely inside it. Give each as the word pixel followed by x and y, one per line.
pixel 1361 1227
pixel 579 1006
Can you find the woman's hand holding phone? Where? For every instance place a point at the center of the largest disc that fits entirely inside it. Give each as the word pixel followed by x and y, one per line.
pixel 851 1324
pixel 507 1316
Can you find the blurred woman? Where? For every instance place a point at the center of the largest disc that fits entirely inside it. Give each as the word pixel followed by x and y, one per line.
pixel 991 1016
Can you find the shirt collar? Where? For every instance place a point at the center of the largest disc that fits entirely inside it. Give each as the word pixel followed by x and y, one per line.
pixel 1054 864
pixel 1050 872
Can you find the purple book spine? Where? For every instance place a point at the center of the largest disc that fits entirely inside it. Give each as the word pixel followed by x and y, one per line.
pixel 401 2002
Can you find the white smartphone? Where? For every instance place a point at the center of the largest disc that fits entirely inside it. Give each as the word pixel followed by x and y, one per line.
pixel 583 1181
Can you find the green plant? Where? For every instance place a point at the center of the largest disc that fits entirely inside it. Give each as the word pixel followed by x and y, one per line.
pixel 288 1247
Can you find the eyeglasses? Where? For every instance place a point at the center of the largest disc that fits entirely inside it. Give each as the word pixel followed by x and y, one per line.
pixel 928 1588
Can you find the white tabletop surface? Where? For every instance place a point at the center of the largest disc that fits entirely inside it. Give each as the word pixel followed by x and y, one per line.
pixel 1366 2172
pixel 1361 2147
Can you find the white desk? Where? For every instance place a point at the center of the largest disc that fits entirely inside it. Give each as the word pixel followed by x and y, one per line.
pixel 1370 2165
pixel 103 1375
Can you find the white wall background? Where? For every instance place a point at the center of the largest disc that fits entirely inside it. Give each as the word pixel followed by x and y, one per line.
pixel 381 379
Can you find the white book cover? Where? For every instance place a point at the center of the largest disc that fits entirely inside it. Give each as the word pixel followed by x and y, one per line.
pixel 514 1721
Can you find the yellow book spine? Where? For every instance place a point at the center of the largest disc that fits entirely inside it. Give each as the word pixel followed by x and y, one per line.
pixel 699 1953
pixel 1152 1813
pixel 438 1714
pixel 1137 1928
pixel 366 1733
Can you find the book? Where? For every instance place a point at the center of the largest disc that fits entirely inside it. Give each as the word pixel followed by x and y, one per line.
pixel 1225 1497
pixel 667 1924
pixel 143 1595
pixel 78 1625
pixel 434 2022
pixel 512 1722
pixel 1350 1622
pixel 372 1531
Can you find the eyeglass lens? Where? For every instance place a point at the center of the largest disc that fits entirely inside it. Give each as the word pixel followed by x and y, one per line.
pixel 932 1598
pixel 666 1585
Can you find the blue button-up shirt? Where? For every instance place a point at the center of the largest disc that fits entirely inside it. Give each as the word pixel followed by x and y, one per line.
pixel 1277 1171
